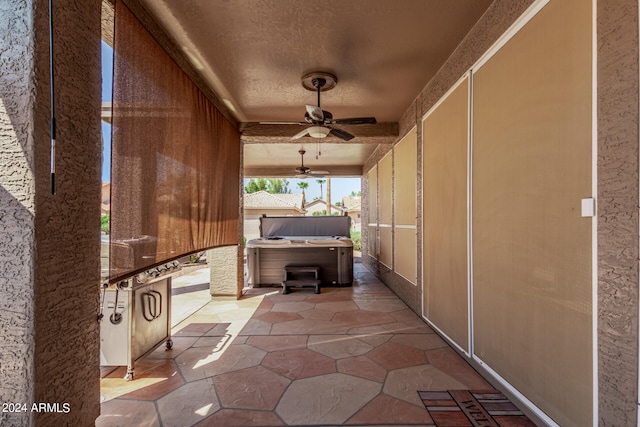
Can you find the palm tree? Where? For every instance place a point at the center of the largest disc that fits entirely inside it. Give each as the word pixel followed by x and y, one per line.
pixel 302 186
pixel 321 181
pixel 329 196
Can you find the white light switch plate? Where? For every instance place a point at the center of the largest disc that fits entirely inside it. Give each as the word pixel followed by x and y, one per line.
pixel 588 208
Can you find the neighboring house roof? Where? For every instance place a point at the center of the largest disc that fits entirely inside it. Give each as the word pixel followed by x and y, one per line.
pixel 351 203
pixel 106 198
pixel 264 200
pixel 319 205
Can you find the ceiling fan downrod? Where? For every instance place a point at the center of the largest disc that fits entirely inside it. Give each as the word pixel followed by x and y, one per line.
pixel 301 152
pixel 319 83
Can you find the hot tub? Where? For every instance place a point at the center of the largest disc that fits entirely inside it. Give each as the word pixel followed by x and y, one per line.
pixel 269 255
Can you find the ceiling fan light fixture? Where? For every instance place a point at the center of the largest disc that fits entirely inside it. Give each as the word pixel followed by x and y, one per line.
pixel 318 131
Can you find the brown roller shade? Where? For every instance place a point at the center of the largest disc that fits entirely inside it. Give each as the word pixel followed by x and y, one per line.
pixel 175 159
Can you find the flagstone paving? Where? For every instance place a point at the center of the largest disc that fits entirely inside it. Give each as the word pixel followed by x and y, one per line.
pixel 348 356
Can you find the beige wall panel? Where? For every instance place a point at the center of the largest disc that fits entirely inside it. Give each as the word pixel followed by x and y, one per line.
pixel 405 256
pixel 386 246
pixel 404 180
pixel 372 178
pixel 445 215
pixel 532 249
pixel 385 208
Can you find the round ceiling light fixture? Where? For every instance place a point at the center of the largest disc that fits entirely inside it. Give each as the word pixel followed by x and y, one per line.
pixel 318 131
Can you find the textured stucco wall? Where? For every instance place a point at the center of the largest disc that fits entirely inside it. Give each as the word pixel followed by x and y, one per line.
pixel 50 249
pixel 223 265
pixel 17 208
pixel 617 29
pixel 498 18
pixel 68 224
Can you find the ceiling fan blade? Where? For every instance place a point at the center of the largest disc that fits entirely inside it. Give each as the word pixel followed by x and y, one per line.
pixel 318 174
pixel 356 121
pixel 315 113
pixel 300 134
pixel 342 134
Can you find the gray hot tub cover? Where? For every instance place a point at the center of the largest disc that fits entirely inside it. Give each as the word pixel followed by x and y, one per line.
pixel 273 226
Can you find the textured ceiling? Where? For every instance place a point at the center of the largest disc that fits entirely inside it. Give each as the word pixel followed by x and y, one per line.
pixel 253 54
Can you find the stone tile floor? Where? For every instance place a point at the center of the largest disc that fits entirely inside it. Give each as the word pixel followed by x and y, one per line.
pixel 349 356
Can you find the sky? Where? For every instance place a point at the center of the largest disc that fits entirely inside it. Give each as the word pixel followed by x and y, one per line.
pixel 107 74
pixel 340 187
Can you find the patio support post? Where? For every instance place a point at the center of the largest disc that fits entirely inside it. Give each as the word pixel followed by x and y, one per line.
pixel 225 268
pixel 49 244
pixel 618 186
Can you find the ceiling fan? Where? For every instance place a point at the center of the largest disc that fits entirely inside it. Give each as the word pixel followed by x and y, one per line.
pixel 303 172
pixel 322 121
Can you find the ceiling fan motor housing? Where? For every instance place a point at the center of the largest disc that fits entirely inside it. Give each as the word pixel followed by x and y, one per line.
pixel 328 117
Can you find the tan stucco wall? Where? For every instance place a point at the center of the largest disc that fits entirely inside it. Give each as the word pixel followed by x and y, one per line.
pixel 617 30
pixel 223 266
pixel 17 209
pixel 50 249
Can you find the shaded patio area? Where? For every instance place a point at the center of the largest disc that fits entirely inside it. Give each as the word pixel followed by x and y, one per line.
pixel 349 356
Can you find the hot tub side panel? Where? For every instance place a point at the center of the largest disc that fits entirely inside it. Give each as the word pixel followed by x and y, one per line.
pixel 265 265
